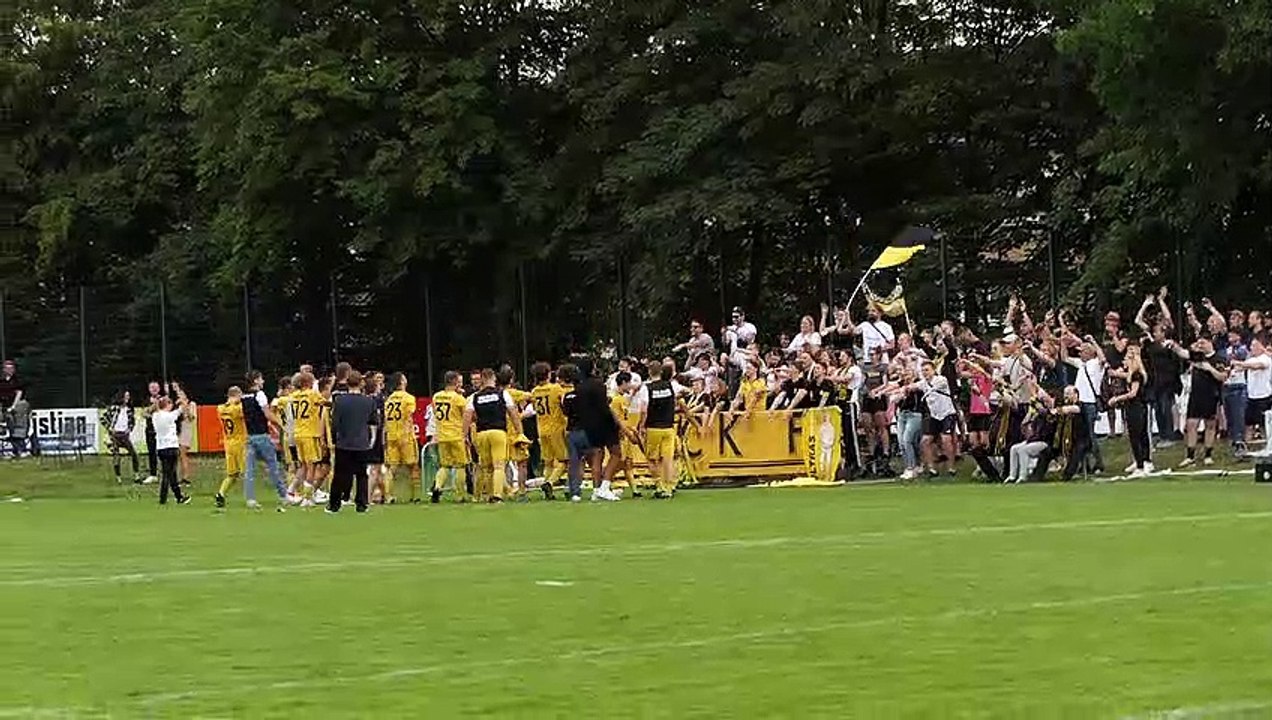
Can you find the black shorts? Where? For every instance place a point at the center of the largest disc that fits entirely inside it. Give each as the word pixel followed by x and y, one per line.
pixel 933 427
pixel 1205 407
pixel 375 456
pixel 1255 411
pixel 603 437
pixel 979 423
pixel 872 405
pixel 291 453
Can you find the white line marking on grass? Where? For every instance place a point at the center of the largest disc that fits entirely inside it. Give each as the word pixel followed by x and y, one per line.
pixel 1240 707
pixel 652 549
pixel 622 652
pixel 553 583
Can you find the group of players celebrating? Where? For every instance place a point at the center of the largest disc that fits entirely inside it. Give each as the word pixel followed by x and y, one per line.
pixel 477 434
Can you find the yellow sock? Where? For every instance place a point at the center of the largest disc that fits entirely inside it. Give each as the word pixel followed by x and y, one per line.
pixel 226 484
pixel 555 472
pixel 413 493
pixel 386 479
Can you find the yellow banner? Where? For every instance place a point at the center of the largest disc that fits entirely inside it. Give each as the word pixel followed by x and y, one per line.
pixel 763 444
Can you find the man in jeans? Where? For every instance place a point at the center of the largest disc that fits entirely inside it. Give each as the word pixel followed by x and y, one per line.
pixel 257 417
pixel 1089 380
pixel 1235 397
pixel 1163 383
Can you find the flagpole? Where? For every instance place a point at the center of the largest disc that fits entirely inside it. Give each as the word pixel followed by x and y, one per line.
pixel 859 286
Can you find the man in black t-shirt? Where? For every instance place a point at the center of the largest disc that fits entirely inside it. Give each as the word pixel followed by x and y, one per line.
pixel 1164 384
pixel 1208 375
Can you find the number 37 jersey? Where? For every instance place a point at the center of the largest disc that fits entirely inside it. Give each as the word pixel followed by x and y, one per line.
pixel 448 413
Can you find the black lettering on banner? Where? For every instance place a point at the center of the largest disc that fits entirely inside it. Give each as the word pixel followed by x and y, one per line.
pixel 726 434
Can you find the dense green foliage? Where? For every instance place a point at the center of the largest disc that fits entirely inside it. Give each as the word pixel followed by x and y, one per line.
pixel 612 167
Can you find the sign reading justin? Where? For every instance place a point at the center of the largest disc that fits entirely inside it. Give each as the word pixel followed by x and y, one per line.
pixel 61 430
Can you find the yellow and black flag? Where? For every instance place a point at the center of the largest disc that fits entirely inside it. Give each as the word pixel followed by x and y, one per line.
pixel 903 247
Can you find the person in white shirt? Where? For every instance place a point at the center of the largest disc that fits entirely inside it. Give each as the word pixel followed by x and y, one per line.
pixel 1089 383
pixel 942 419
pixel 1258 369
pixel 119 420
pixel 808 340
pixel 739 336
pixel 167 444
pixel 875 332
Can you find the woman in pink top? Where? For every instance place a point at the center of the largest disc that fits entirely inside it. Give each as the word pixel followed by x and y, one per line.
pixel 981 414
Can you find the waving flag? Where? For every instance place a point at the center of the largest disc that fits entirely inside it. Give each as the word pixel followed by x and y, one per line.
pixel 903 247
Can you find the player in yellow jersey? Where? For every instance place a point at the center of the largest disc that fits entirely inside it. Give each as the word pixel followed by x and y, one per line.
pixel 452 450
pixel 326 388
pixel 306 404
pixel 281 406
pixel 546 396
pixel 620 404
pixel 518 449
pixel 234 439
pixel 400 446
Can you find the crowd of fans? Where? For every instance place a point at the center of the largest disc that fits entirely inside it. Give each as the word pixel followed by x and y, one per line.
pixel 1040 395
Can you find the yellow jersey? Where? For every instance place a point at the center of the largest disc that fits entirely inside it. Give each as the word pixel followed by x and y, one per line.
pixel 306 406
pixel 547 407
pixel 619 404
pixel 233 431
pixel 324 416
pixel 399 416
pixel 754 393
pixel 519 398
pixel 448 413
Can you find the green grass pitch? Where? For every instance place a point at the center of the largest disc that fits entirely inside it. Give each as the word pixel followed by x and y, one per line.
pixel 1120 600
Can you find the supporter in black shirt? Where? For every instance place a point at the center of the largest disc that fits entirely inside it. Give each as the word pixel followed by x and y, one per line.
pixel 1208 375
pixel 1164 383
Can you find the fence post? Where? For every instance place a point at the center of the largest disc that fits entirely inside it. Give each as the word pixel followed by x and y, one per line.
pixel 4 349
pixel 428 330
pixel 163 330
pixel 335 325
pixel 83 323
pixel 247 325
pixel 945 282
pixel 525 346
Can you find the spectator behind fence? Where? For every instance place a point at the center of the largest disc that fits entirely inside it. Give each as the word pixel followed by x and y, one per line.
pixel 807 340
pixel 18 419
pixel 699 342
pixel 118 421
pixel 11 386
pixel 875 332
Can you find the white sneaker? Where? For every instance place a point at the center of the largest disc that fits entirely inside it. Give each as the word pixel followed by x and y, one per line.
pixel 1208 461
pixel 1130 468
pixel 908 474
pixel 253 505
pixel 1149 469
pixel 320 496
pixel 150 480
pixel 575 498
pixel 1137 473
pixel 307 503
pixel 292 500
pixel 1187 462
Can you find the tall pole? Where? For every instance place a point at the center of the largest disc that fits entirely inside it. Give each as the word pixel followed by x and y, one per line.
pixel 4 350
pixel 163 330
pixel 335 325
pixel 525 345
pixel 83 322
pixel 830 271
pixel 1051 266
pixel 247 326
pixel 428 329
pixel 945 283
pixel 622 306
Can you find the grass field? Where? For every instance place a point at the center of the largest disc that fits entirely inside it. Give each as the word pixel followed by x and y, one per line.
pixel 1087 600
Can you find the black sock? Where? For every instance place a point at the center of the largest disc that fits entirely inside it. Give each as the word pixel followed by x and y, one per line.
pixel 1209 451
pixel 1192 453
